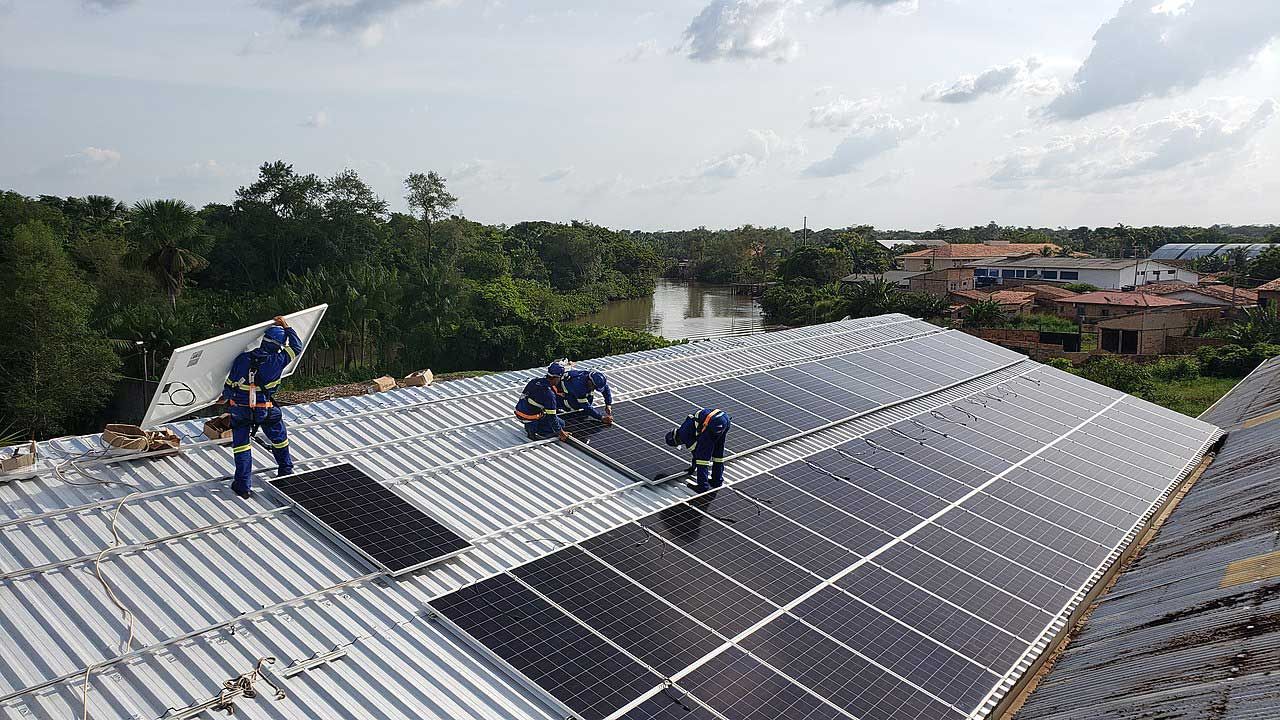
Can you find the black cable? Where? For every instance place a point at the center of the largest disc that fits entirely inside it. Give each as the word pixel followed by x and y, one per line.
pixel 922 426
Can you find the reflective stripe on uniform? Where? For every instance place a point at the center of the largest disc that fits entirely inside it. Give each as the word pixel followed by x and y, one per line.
pixel 293 355
pixel 550 412
pixel 241 448
pixel 282 444
pixel 703 462
pixel 272 384
pixel 533 402
pixel 717 460
pixel 241 386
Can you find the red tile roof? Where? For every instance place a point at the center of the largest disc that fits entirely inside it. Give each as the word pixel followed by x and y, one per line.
pixel 1226 293
pixel 1129 299
pixel 1050 291
pixel 1012 297
pixel 1273 286
pixel 965 251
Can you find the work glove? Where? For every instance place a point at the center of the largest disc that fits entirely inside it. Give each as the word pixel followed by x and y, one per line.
pixel 607 420
pixel 563 436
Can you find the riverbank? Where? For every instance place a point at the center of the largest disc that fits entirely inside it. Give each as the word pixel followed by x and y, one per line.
pixel 679 310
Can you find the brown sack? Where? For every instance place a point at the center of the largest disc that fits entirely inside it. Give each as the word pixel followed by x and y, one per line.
pixel 125 438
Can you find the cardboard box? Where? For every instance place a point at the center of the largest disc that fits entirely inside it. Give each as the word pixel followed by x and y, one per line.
pixel 21 459
pixel 422 378
pixel 218 428
pixel 382 384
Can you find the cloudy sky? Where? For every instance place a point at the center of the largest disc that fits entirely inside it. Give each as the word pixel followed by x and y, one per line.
pixel 665 113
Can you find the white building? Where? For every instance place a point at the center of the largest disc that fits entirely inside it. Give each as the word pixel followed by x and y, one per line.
pixel 1105 273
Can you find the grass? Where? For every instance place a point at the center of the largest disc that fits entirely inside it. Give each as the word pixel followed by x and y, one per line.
pixel 1192 397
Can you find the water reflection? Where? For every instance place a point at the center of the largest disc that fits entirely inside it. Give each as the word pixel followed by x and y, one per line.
pixel 680 311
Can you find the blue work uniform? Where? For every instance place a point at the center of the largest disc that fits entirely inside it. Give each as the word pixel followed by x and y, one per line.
pixel 249 389
pixel 578 388
pixel 539 409
pixel 705 431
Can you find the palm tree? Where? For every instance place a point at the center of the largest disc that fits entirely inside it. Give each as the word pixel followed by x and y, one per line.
pixel 169 234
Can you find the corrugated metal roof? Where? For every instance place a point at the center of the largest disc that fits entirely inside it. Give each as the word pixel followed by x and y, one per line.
pixel 1192 629
pixel 214 583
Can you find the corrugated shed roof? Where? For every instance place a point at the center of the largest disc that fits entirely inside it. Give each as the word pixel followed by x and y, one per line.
pixel 1078 263
pixel 214 583
pixel 979 250
pixel 1192 629
pixel 1133 299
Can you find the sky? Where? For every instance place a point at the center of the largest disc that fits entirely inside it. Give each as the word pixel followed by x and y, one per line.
pixel 664 114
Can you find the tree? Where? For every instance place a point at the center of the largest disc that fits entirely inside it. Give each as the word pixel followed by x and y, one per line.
pixel 169 235
pixel 54 369
pixel 984 313
pixel 428 196
pixel 1266 267
pixel 822 265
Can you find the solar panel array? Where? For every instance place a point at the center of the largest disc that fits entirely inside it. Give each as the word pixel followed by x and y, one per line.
pixel 775 405
pixel 913 572
pixel 383 526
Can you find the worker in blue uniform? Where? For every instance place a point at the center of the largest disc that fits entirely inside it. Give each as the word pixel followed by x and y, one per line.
pixel 250 387
pixel 540 405
pixel 579 388
pixel 704 431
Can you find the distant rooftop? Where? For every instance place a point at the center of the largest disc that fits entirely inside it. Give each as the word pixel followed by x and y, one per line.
pixel 1195 251
pixel 977 251
pixel 1219 291
pixel 1130 299
pixel 1071 263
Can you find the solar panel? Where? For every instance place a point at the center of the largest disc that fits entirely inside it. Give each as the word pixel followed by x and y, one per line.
pixel 380 524
pixel 906 573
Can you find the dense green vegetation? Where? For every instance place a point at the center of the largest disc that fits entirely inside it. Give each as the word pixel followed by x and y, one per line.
pixel 82 280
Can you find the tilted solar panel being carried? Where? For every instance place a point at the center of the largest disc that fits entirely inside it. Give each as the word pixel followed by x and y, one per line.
pixel 384 527
pixel 772 406
pixel 913 572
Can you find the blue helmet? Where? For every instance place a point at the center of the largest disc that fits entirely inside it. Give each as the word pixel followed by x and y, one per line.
pixel 597 379
pixel 671 438
pixel 273 338
pixel 556 369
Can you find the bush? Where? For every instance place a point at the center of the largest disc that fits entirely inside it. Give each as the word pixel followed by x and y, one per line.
pixel 1234 360
pixel 1176 368
pixel 1081 287
pixel 1061 364
pixel 1120 375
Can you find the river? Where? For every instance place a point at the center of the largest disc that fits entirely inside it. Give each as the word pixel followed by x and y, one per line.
pixel 685 311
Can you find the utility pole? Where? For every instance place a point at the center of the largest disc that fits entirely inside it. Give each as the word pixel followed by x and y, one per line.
pixel 804 236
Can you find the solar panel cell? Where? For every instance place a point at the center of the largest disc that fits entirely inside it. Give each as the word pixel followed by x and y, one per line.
pixel 846 496
pixel 670 704
pixel 372 517
pixel 739 687
pixel 586 674
pixel 829 521
pixel 991 566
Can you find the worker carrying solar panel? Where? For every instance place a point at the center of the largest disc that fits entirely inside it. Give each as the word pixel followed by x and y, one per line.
pixel 578 390
pixel 248 392
pixel 704 431
pixel 540 405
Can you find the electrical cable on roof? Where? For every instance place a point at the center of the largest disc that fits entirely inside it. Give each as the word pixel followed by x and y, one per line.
pixel 962 411
pixel 973 399
pixel 904 436
pixel 937 415
pixel 542 539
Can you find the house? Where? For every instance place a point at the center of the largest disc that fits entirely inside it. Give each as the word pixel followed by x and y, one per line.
pixel 1186 252
pixel 1088 308
pixel 1148 333
pixel 959 254
pixel 1105 273
pixel 1216 294
pixel 898 277
pixel 941 282
pixel 1047 296
pixel 1269 293
pixel 1012 302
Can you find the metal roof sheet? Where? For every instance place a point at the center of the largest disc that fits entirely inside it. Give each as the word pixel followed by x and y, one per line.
pixel 214 583
pixel 1192 629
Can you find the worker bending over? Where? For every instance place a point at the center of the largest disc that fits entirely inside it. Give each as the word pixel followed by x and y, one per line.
pixel 704 431
pixel 539 406
pixel 579 388
pixel 250 387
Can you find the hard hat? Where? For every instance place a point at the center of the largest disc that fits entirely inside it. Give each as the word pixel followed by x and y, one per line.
pixel 274 335
pixel 597 379
pixel 671 438
pixel 556 369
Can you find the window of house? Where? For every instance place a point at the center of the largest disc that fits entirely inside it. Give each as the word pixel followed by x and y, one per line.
pixel 1049 274
pixel 1019 273
pixel 1006 273
pixel 1069 275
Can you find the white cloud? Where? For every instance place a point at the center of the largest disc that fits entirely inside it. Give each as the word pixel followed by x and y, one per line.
pixel 1152 49
pixel 642 51
pixel 741 30
pixel 757 151
pixel 105 5
pixel 1018 76
pixel 479 172
pixel 556 175
pixel 871 137
pixel 1097 158
pixel 318 119
pixel 359 18
pixel 904 7
pixel 889 179
pixel 841 112
pixel 90 162
pixel 99 157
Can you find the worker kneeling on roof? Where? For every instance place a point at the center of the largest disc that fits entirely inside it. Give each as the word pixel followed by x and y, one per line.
pixel 578 388
pixel 539 406
pixel 704 431
pixel 251 384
